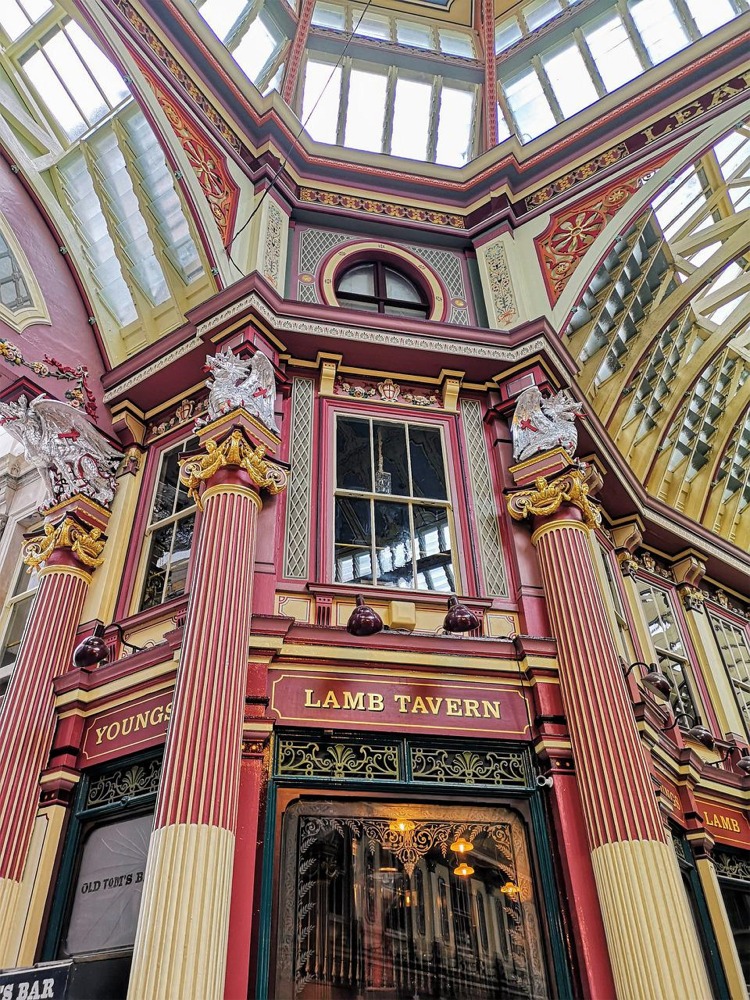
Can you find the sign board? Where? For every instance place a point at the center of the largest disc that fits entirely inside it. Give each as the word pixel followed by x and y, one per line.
pixel 125 729
pixel 726 825
pixel 382 701
pixel 46 982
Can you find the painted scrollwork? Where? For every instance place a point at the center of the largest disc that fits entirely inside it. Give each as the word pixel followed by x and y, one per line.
pixel 234 451
pixel 85 544
pixel 548 497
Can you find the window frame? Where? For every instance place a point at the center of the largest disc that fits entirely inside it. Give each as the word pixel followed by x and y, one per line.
pixel 380 295
pixel 144 528
pixel 456 503
pixel 717 614
pixel 11 604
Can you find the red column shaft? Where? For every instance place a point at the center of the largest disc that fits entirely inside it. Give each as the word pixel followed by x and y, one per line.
pixel 201 772
pixel 27 719
pixel 616 792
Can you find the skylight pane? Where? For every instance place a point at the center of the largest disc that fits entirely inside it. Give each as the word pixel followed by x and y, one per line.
pixel 456 43
pixel 414 33
pixel 328 15
pixel 613 52
pixel 165 205
pixel 660 28
pixel 13 19
pixel 35 9
pixel 538 14
pixel 709 15
pixel 92 228
pixel 99 66
pixel 411 117
pixel 366 110
pixel 255 49
pixel 506 34
pixel 320 103
pixel 78 81
pixel 454 129
pixel 571 82
pixel 56 98
pixel 371 25
pixel 529 105
pixel 221 15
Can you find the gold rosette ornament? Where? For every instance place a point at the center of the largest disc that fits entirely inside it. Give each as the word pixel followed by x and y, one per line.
pixel 86 544
pixel 235 451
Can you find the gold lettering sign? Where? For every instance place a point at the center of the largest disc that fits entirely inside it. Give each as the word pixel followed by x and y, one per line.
pixel 374 701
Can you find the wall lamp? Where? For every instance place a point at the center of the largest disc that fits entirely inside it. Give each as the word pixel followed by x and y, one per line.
pixel 655 680
pixel 742 764
pixel 365 621
pixel 697 731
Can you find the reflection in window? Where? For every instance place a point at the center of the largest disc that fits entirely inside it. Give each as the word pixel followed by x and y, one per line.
pixel 668 646
pixel 349 920
pixel 380 288
pixel 392 524
pixel 170 533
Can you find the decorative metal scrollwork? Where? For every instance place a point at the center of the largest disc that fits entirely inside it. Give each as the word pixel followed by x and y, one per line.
pixel 731 866
pixel 311 759
pixel 124 783
pixel 470 767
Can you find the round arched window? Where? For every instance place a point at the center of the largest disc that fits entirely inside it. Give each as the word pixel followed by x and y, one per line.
pixel 378 287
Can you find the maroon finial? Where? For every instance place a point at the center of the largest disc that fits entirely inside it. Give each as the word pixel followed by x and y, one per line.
pixel 364 620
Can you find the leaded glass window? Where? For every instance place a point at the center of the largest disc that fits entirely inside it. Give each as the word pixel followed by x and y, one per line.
pixel 373 902
pixel 669 646
pixel 392 513
pixel 170 532
pixel 735 653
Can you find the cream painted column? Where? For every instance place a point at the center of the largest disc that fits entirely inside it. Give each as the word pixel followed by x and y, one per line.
pixel 181 944
pixel 717 911
pixel 651 938
pixel 68 552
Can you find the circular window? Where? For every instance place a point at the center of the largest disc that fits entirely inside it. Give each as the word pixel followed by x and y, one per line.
pixel 379 287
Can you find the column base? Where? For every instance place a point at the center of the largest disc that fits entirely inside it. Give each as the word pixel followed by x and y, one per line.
pixel 653 946
pixel 180 949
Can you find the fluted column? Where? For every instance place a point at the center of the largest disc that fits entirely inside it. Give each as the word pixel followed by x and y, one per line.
pixel 651 938
pixel 181 943
pixel 68 552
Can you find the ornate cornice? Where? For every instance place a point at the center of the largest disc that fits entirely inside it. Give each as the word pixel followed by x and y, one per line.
pixel 85 544
pixel 234 451
pixel 547 498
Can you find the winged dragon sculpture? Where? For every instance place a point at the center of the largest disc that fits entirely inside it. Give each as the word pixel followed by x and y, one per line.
pixel 540 424
pixel 69 452
pixel 249 383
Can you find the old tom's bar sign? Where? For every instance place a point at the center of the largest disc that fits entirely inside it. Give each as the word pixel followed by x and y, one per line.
pixel 46 982
pixel 126 728
pixel 415 703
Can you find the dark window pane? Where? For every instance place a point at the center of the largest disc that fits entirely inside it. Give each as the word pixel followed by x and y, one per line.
pixel 393 545
pixel 391 466
pixel 353 552
pixel 427 465
pixel 166 491
pixel 180 557
pixel 108 889
pixel 737 902
pixel 413 311
pixel 158 562
pixel 353 467
pixel 433 549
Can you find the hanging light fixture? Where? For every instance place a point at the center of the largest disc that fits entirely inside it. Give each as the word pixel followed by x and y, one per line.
pixel 655 680
pixel 402 826
pixel 696 732
pixel 459 617
pixel 461 846
pixel 463 869
pixel 364 620
pixel 510 889
pixel 382 478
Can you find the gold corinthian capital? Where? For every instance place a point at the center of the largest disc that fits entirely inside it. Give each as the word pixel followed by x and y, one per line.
pixel 86 544
pixel 547 498
pixel 235 451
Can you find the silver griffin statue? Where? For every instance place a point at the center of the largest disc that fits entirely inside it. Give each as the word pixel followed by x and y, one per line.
pixel 540 424
pixel 238 382
pixel 62 443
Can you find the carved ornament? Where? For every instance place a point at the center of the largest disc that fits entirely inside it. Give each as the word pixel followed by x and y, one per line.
pixel 86 544
pixel 542 423
pixel 235 451
pixel 547 498
pixel 249 383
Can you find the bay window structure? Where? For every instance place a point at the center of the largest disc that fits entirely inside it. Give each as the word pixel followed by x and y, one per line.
pixel 379 287
pixel 731 638
pixel 669 646
pixel 392 517
pixel 169 532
